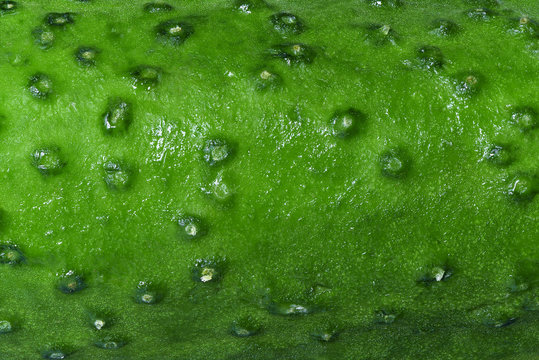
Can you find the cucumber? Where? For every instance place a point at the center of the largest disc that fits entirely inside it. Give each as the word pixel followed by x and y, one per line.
pixel 266 179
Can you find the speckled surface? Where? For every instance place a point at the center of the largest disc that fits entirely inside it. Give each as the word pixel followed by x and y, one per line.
pixel 412 233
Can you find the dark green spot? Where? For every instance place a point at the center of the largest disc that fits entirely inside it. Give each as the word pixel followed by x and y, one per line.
pixel 523 25
pixel 86 55
pixel 430 57
pixel 444 27
pixel 379 34
pixel 503 322
pixel 148 293
pixel 118 117
pixel 70 283
pixel 8 7
pixel 11 255
pixel 345 123
pixel 436 274
pixel 48 161
pixel 497 315
pixel 110 343
pixel 499 155
pixel 40 86
pixel 191 227
pixel 521 188
pixel 118 177
pixel 43 37
pixel 481 14
pixel 173 32
pixel 246 326
pixel 266 79
pixel 327 334
pixel 524 117
pixel 385 3
pixel 54 354
pixel 59 19
pixel 248 6
pixel 394 163
pixel 99 320
pixel 289 309
pixel 385 317
pixel 217 152
pixel 5 326
pixel 531 302
pixel 208 270
pixel 157 7
pixel 145 76
pixel 293 53
pixel 468 84
pixel 220 190
pixel 287 23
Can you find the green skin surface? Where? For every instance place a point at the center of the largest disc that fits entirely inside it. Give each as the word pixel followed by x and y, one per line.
pixel 307 207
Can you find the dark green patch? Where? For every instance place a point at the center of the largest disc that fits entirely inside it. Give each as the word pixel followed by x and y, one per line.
pixel 246 326
pixel 86 55
pixel 220 189
pixel 523 25
pixel 191 227
pixel 267 79
pixel 11 255
pixel 40 86
pixel 500 155
pixel 380 34
pixel 148 293
pixel 468 84
pixel 217 152
pixel 99 320
pixel 43 37
pixel 326 334
pixel 157 7
pixel 248 6
pixel 118 176
pixel 71 283
pixel 531 301
pixel 385 3
pixel 522 187
pixel 394 163
pixel 48 161
pixel 498 315
pixel 430 57
pixel 54 354
pixel 287 23
pixel 5 326
pixel 524 117
pixel 174 32
pixel 118 117
pixel 289 309
pixel 481 14
pixel 293 53
pixel 345 123
pixel 385 317
pixel 145 76
pixel 502 322
pixel 110 343
pixel 208 270
pixel 8 7
pixel 436 274
pixel 59 19
pixel 444 27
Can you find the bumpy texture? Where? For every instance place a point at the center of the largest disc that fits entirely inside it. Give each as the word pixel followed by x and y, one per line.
pixel 269 180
